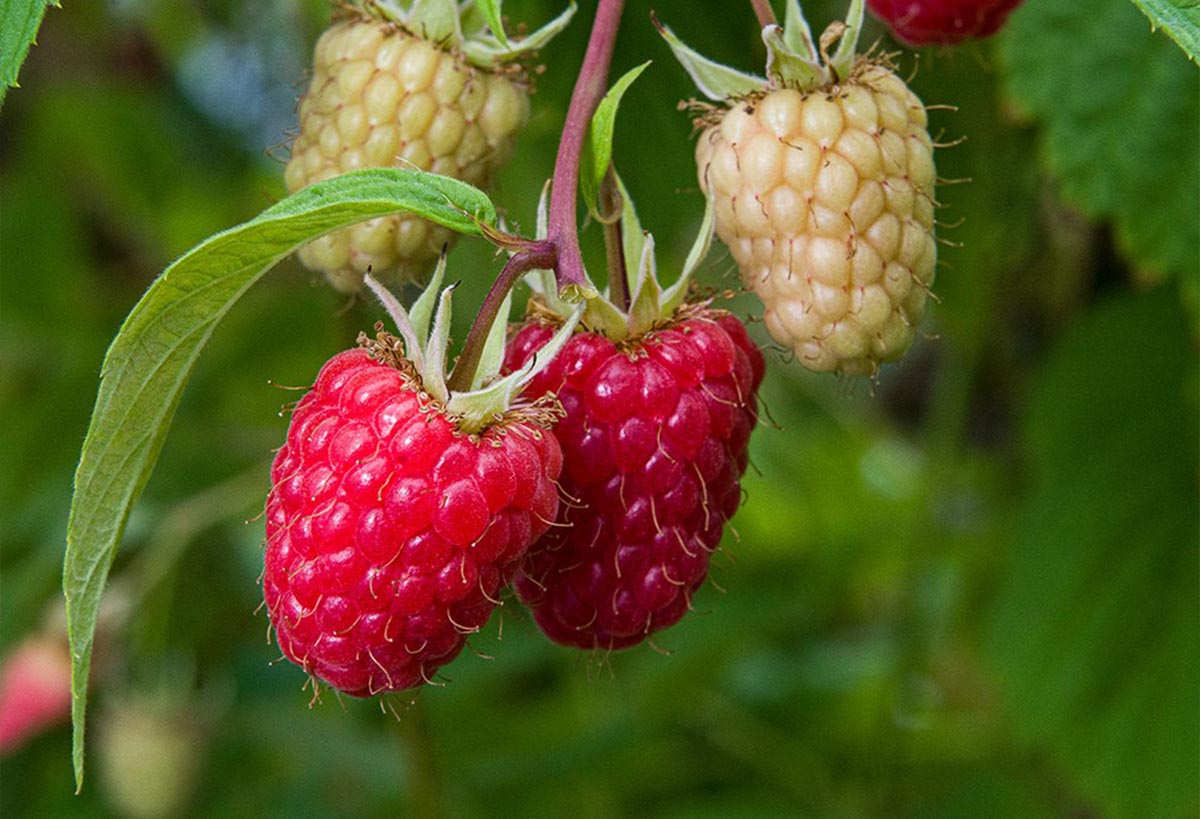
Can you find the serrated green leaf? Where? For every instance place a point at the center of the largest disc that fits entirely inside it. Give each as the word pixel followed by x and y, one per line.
pixel 598 147
pixel 1179 18
pixel 1094 633
pixel 1119 106
pixel 19 23
pixel 152 356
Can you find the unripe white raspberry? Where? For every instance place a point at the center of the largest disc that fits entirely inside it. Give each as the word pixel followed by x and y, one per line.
pixel 825 199
pixel 381 97
pixel 821 179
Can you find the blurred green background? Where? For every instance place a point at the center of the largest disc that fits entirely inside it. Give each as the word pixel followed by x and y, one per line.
pixel 967 590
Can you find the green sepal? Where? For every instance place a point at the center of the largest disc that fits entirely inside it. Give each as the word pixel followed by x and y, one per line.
pixel 436 21
pixel 492 357
pixel 796 33
pixel 646 298
pixel 414 344
pixel 489 10
pixel 842 61
pixel 485 49
pixel 716 81
pixel 793 59
pixel 674 295
pixel 422 309
pixel 433 376
pixel 788 69
pixel 479 408
pixel 475 29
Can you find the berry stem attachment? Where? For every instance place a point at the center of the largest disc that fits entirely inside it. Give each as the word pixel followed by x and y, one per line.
pixel 589 89
pixel 534 256
pixel 611 205
pixel 764 13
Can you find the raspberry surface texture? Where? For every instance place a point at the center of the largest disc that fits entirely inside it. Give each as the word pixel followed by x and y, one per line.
pixel 390 533
pixel 654 444
pixel 825 200
pixel 923 22
pixel 381 97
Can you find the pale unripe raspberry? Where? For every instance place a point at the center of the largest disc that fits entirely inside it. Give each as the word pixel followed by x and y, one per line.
pixel 825 200
pixel 381 97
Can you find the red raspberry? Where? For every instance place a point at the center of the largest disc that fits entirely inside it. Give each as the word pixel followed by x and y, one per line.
pixel 654 443
pixel 389 531
pixel 921 22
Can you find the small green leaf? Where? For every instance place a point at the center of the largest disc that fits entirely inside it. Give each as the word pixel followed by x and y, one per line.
pixel 152 356
pixel 1179 18
pixel 19 23
pixel 598 147
pixel 1119 106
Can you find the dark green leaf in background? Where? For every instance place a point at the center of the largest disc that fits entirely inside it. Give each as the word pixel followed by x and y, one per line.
pixel 1120 108
pixel 1094 635
pixel 152 356
pixel 19 22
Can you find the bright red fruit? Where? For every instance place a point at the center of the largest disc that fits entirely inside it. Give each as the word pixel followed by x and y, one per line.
pixel 654 443
pixel 390 532
pixel 922 22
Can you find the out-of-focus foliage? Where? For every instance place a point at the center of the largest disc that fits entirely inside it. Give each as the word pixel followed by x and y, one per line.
pixel 968 590
pixel 1117 140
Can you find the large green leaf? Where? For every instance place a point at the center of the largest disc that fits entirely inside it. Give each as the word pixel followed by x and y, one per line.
pixel 152 356
pixel 1179 18
pixel 19 22
pixel 1119 105
pixel 1094 634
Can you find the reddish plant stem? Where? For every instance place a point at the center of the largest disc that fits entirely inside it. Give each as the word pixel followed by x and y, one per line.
pixel 563 228
pixel 534 256
pixel 764 13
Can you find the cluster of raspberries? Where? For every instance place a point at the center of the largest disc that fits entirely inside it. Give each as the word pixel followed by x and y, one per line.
pixel 391 533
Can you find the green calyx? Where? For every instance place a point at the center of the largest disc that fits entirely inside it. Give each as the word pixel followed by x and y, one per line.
pixel 634 300
pixel 649 302
pixel 794 59
pixel 424 342
pixel 473 28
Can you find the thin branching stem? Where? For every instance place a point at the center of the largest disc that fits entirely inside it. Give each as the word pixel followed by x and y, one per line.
pixel 563 229
pixel 534 256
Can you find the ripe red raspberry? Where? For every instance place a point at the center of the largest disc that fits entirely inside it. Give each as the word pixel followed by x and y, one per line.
pixel 390 531
pixel 922 22
pixel 654 443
